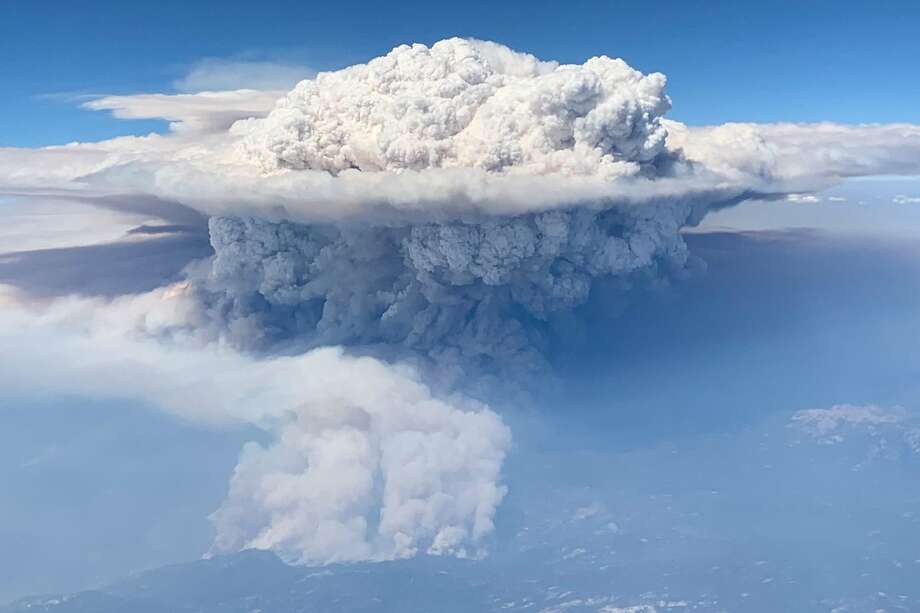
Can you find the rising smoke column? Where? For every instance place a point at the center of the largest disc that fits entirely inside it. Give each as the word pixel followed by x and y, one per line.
pixel 363 461
pixel 471 290
pixel 381 475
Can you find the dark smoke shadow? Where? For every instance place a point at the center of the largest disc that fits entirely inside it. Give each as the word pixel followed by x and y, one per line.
pixel 778 321
pixel 139 204
pixel 111 269
pixel 168 211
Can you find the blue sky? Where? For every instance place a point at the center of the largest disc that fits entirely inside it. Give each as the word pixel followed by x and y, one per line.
pixel 726 61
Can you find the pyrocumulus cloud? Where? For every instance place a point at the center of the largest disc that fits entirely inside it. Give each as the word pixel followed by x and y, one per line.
pixel 441 201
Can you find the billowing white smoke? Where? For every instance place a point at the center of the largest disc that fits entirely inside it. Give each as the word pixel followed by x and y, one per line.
pixel 365 463
pixel 467 104
pixel 390 476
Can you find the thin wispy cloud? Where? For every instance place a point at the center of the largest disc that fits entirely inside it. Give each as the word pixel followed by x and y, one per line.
pixel 224 74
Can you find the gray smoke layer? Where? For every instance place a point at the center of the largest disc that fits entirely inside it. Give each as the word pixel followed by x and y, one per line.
pixel 456 292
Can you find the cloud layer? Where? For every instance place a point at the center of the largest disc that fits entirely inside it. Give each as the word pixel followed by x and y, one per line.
pixel 209 111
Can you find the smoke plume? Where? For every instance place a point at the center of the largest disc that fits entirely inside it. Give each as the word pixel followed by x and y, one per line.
pixel 445 202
